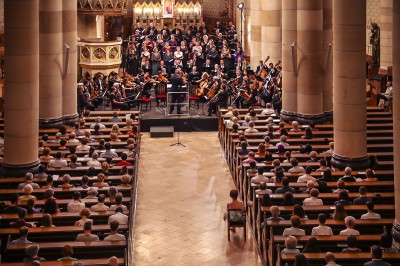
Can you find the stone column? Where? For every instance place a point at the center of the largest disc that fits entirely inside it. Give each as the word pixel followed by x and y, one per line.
pixel 385 22
pixel 69 89
pixel 327 61
pixel 289 36
pixel 271 30
pixel 310 58
pixel 255 28
pixel 50 71
pixel 21 107
pixel 396 119
pixel 349 105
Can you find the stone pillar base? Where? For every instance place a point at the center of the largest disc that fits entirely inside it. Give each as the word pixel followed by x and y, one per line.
pixel 71 119
pixel 310 119
pixel 288 116
pixel 51 123
pixel 396 235
pixel 13 170
pixel 328 116
pixel 340 162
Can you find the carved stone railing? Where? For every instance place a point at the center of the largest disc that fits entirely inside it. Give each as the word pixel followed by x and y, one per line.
pixel 104 57
pixel 102 7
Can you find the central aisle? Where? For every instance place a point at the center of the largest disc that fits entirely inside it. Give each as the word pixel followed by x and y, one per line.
pixel 183 192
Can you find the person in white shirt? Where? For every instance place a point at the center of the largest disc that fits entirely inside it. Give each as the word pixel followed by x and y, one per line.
pixel 114 236
pixel 322 229
pixel 118 203
pixel 307 176
pixel 387 95
pixel 94 161
pixel 28 180
pixel 263 189
pixel 268 110
pixel 331 146
pixel 77 205
pixel 97 121
pixel 118 216
pixel 58 161
pixel 330 259
pixel 350 222
pixel 251 128
pixel 229 113
pixel 72 138
pixel 294 230
pixel 83 146
pixel 260 177
pixel 100 206
pixel 131 150
pixel 296 168
pixel 313 200
pixel 370 214
pixel 282 141
pixel 295 127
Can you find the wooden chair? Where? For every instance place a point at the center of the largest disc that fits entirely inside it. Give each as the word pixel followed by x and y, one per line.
pixel 235 224
pixel 144 101
pixel 193 96
pixel 161 93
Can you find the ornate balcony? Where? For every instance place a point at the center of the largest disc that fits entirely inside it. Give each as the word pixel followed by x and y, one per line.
pixel 95 57
pixel 102 7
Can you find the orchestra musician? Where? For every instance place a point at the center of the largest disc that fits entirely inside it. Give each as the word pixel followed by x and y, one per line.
pixel 116 100
pixel 242 94
pixel 148 84
pixel 83 102
pixel 220 99
pixel 177 83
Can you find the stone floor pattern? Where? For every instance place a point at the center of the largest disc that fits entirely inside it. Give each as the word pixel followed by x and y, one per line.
pixel 183 192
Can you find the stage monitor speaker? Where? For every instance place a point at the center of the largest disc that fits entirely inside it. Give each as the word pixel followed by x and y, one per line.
pixel 161 132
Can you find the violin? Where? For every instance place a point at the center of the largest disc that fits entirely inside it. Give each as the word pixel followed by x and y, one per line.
pixel 161 78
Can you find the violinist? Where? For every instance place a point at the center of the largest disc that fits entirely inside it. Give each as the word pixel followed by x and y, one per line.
pixel 99 81
pixel 148 84
pixel 116 101
pixel 161 77
pixel 221 100
pixel 242 94
pixel 83 102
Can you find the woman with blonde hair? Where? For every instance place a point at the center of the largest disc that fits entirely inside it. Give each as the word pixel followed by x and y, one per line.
pixel 28 189
pixel 100 181
pixel 84 214
pixel 115 129
pixel 66 179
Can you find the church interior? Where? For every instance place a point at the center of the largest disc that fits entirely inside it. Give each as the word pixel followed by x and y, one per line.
pixel 199 132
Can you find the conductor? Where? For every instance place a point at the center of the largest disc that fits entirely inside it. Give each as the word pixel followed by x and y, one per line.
pixel 176 86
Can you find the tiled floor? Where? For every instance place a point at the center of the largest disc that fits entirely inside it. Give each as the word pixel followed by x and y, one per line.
pixel 182 196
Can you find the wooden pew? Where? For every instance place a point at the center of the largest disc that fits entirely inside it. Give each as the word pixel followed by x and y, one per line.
pixel 89 262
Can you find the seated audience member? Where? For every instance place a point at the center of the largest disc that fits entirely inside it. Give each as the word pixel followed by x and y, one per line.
pixel 343 198
pixel 310 185
pixel 97 121
pixel 20 222
pixel 308 134
pixel 250 157
pixel 266 200
pixel 351 245
pixel 313 157
pixel 290 246
pixel 88 135
pixel 66 181
pixel 51 206
pixel 299 211
pixel 30 207
pixel 84 214
pixel 72 138
pixel 270 132
pixel 87 235
pixel 13 208
pixel 23 236
pixel 321 229
pixel 118 203
pixel 376 254
pixel 251 128
pixel 347 175
pixel 330 259
pixel 362 199
pixel 322 165
pixel 28 180
pixel 263 189
pixel 108 152
pixel 294 230
pixel 285 187
pixel 84 145
pixel 370 215
pixel 288 199
pixel 269 110
pixel 131 151
pixel 350 222
pixel 282 141
pixel 235 204
pixel 113 261
pixel 259 177
pixel 312 246
pixel 386 242
pixel 92 193
pixel 27 195
pixel 100 206
pixel 126 180
pixel 63 146
pixel 112 192
pixel 47 221
pixel 370 175
pixel 97 131
pixel 74 162
pixel 46 155
pixel 33 254
pixel 41 172
pixel 114 137
pixel 100 181
pixel 114 236
pixel 94 160
pixel 123 161
pixel 275 214
pixel 313 200
pixel 119 216
pixel 331 150
pixel 58 161
pixel 84 182
pixel 296 168
pixel 340 187
pixel 307 176
pixel 279 175
pixel 288 156
pixel 115 118
pixel 49 182
pixel 300 260
pixel 295 127
pixel 339 213
pixel 67 253
pixel 76 205
pixel 77 129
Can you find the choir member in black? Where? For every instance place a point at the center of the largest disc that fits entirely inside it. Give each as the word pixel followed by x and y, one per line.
pixel 83 101
pixel 151 27
pixel 177 83
pixel 139 28
pixel 194 75
pixel 213 55
pixel 207 67
pixel 147 67
pixel 221 100
pixel 165 28
pixel 193 27
pixel 116 101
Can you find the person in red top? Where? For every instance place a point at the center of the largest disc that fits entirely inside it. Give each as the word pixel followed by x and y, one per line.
pixel 123 161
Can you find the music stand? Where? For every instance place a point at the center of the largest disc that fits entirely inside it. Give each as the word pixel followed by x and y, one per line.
pixel 178 143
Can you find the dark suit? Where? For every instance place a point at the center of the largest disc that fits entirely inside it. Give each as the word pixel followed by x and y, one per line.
pixel 177 83
pixel 206 68
pixel 376 263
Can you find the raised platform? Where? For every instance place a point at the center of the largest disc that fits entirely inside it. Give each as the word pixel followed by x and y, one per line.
pixel 161 132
